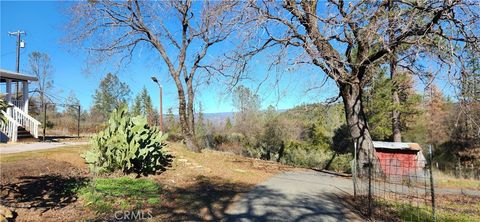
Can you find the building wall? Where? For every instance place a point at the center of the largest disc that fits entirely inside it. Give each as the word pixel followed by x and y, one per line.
pixel 398 162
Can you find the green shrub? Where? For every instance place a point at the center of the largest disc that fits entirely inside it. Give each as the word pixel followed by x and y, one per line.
pixel 342 163
pixel 305 155
pixel 129 145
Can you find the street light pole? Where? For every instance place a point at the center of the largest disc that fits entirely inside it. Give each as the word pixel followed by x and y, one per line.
pixel 161 104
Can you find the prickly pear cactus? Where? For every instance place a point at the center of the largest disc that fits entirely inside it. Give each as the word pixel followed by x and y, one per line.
pixel 127 144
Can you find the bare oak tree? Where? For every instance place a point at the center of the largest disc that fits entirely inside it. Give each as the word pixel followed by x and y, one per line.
pixel 181 32
pixel 41 67
pixel 346 40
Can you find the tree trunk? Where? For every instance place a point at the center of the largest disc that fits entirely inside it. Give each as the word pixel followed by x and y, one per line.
pixel 191 138
pixel 357 123
pixel 396 132
pixel 184 116
pixel 327 166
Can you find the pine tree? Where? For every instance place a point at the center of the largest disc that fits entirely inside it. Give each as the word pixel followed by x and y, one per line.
pixel 379 104
pixel 171 124
pixel 228 124
pixel 110 94
pixel 143 106
pixel 200 130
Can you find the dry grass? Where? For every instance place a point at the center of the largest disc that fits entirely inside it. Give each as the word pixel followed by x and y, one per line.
pixel 69 154
pixel 197 186
pixel 447 181
pixel 187 165
pixel 451 207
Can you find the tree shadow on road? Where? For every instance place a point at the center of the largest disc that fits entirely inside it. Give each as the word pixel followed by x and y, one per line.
pixel 214 199
pixel 266 205
pixel 207 198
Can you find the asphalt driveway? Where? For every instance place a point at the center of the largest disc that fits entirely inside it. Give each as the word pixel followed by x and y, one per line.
pixel 296 196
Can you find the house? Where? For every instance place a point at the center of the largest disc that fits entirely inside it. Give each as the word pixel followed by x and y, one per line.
pixel 19 124
pixel 400 159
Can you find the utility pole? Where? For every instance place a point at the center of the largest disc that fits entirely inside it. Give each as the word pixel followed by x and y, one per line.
pixel 160 109
pixel 20 44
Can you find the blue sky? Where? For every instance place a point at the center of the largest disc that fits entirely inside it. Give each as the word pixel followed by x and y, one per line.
pixel 44 22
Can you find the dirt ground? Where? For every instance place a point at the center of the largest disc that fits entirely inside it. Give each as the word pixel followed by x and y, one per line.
pixel 36 189
pixel 198 186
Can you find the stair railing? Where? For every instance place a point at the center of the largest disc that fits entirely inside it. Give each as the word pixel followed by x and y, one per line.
pixel 10 127
pixel 26 121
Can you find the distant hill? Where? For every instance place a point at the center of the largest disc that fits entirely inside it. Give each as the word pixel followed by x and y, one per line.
pixel 218 119
pixel 305 111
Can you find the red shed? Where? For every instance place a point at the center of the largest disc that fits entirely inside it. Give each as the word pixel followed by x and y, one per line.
pixel 400 159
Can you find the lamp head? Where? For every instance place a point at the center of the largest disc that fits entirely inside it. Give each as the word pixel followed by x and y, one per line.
pixel 154 79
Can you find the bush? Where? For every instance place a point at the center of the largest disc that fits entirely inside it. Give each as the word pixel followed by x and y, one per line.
pixel 128 144
pixel 305 155
pixel 342 163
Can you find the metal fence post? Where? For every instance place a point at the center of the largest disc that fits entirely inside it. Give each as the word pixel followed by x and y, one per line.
pixel 432 189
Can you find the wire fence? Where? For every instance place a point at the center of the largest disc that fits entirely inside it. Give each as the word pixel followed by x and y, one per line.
pixel 396 188
pixel 458 170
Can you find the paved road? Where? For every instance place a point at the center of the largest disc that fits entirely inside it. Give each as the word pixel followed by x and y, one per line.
pixel 25 147
pixel 296 196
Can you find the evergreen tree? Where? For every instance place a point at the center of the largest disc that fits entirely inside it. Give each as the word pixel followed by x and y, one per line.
pixel 142 105
pixel 200 130
pixel 228 124
pixel 110 94
pixel 171 124
pixel 379 104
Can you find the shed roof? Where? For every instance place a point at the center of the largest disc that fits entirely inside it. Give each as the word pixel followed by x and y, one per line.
pixel 15 76
pixel 396 145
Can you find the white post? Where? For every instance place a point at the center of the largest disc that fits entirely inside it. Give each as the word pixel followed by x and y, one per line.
pixel 9 91
pixel 25 96
pixel 9 95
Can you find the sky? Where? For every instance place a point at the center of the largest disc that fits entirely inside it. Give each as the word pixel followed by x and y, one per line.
pixel 45 22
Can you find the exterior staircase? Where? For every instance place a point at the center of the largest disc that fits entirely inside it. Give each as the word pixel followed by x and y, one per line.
pixel 23 135
pixel 18 125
